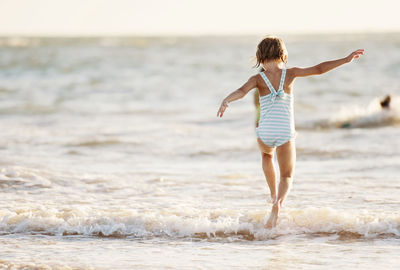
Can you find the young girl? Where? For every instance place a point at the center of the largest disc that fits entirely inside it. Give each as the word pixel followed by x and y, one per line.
pixel 276 127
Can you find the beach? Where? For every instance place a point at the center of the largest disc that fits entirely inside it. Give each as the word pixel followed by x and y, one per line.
pixel 112 156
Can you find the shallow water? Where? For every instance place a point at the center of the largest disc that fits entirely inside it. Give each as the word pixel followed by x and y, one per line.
pixel 111 156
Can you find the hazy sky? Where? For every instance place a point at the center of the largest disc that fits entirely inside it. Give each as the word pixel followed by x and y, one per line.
pixel 163 17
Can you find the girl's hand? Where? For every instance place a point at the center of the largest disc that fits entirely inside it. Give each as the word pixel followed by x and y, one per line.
pixel 222 108
pixel 355 54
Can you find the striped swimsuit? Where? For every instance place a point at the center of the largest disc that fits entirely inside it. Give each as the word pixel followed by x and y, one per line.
pixel 276 125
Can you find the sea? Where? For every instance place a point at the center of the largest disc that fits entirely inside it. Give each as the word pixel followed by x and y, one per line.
pixel 112 155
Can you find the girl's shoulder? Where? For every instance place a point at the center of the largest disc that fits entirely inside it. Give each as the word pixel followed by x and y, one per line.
pixel 291 72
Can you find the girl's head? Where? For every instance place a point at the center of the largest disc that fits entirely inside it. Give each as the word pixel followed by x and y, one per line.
pixel 271 48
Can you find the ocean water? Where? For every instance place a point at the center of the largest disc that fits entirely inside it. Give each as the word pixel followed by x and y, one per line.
pixel 112 156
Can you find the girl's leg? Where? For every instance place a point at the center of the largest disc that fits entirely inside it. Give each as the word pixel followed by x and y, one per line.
pixel 269 172
pixel 268 167
pixel 286 155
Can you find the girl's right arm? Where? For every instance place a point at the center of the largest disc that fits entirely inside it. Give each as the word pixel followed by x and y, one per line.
pixel 237 94
pixel 326 66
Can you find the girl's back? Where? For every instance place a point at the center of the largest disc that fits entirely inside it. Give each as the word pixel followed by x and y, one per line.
pixel 276 124
pixel 275 77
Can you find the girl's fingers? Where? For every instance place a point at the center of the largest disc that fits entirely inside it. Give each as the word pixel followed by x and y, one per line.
pixel 220 111
pixel 360 51
pixel 357 53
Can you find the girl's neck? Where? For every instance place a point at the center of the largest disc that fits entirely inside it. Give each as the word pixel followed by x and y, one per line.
pixel 272 65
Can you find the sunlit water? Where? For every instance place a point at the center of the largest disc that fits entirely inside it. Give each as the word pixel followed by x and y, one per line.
pixel 112 157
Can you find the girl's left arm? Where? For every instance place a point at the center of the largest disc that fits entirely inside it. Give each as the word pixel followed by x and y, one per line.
pixel 237 94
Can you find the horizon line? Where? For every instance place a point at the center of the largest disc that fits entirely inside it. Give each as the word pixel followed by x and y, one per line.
pixel 179 35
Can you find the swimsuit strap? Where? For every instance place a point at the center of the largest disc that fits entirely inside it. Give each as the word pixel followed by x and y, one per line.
pixel 282 79
pixel 271 88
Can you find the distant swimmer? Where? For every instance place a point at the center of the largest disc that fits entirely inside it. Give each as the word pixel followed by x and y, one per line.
pixel 276 127
pixel 385 103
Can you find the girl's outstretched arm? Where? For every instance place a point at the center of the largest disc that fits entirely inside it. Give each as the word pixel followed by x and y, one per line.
pixel 237 94
pixel 326 66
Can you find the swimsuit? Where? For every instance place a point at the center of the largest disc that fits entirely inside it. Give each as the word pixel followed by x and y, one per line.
pixel 276 125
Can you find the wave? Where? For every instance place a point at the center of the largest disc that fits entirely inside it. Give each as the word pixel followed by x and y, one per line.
pixel 194 223
pixel 14 177
pixel 37 265
pixel 95 142
pixel 29 109
pixel 356 116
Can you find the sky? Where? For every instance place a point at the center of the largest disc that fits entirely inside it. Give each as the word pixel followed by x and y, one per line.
pixel 190 17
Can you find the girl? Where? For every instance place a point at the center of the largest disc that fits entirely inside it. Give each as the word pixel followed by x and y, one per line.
pixel 276 127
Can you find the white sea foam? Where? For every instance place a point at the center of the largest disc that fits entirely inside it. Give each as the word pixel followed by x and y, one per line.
pixel 23 177
pixel 197 223
pixel 37 265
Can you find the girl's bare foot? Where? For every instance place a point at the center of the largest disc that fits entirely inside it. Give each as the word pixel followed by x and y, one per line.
pixel 273 217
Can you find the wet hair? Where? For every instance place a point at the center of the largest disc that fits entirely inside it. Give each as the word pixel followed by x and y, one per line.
pixel 271 48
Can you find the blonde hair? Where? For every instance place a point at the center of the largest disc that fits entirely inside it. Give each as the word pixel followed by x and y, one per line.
pixel 271 48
